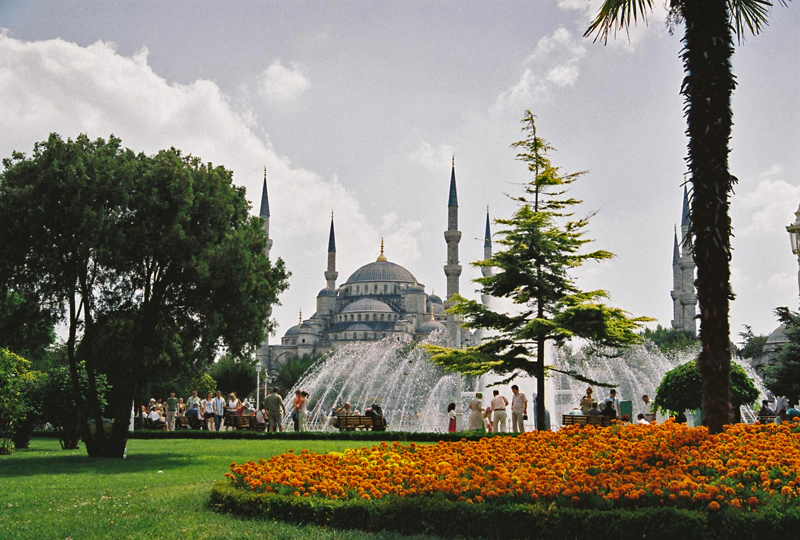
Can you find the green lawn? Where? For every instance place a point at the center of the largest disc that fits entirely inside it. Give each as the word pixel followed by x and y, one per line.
pixel 160 491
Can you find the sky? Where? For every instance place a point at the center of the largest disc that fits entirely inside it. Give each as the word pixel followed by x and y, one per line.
pixel 358 107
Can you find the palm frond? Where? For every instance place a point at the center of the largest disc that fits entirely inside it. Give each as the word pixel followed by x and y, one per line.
pixel 617 14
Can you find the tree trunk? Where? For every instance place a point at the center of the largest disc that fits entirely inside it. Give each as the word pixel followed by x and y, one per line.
pixel 540 412
pixel 707 89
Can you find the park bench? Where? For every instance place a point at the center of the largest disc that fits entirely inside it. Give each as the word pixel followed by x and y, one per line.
pixel 582 420
pixel 353 422
pixel 766 419
pixel 189 422
pixel 247 423
pixel 148 424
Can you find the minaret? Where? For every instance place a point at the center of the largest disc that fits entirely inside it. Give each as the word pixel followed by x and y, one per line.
pixel 684 296
pixel 486 271
pixel 264 213
pixel 331 274
pixel 263 353
pixel 452 236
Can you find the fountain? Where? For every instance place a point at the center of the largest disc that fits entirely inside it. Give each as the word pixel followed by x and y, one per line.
pixel 414 393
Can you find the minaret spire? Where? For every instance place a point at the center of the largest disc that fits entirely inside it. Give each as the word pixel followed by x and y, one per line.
pixel 331 274
pixel 486 271
pixel 264 213
pixel 684 294
pixel 452 270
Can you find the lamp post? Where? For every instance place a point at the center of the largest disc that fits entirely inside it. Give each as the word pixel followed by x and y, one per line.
pixel 259 367
pixel 794 237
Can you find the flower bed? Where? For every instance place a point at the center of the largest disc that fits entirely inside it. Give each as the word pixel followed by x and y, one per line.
pixel 623 468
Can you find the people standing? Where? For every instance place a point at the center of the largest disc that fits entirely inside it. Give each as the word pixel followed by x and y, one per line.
pixel 302 413
pixel 207 406
pixel 519 410
pixel 451 416
pixel 586 401
pixel 194 399
pixel 172 410
pixel 649 415
pixel 475 407
pixel 499 404
pixel 298 398
pixel 219 410
pixel 275 409
pixel 612 398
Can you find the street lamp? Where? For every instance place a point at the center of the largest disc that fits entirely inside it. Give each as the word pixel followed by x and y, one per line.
pixel 794 237
pixel 259 367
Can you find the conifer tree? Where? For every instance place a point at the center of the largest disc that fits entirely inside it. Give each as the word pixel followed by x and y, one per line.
pixel 542 243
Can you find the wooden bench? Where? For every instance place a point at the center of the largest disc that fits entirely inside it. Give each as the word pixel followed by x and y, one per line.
pixel 582 420
pixel 352 422
pixel 148 424
pixel 247 423
pixel 766 419
pixel 189 422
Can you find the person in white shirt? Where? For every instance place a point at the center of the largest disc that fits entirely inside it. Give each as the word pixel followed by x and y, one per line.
pixel 519 410
pixel 640 420
pixel 499 404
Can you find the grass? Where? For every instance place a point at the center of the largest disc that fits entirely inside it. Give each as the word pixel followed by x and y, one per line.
pixel 160 491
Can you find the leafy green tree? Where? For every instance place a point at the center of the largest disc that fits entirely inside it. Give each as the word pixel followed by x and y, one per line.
pixel 14 379
pixel 203 383
pixel 707 88
pixel 234 375
pixel 158 250
pixel 783 378
pixel 752 344
pixel 292 370
pixel 681 389
pixel 26 327
pixel 542 243
pixel 669 340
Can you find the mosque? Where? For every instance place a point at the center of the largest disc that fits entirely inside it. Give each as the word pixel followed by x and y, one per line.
pixel 380 300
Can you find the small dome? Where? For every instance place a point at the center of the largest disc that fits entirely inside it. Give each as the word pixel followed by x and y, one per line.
pixel 293 331
pixel 778 335
pixel 381 271
pixel 361 327
pixel 435 299
pixel 430 326
pixel 415 288
pixel 367 304
pixel 326 292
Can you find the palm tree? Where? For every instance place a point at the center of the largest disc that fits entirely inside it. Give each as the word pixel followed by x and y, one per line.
pixel 707 88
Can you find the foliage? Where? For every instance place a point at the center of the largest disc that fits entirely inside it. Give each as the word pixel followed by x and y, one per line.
pixel 204 383
pixel 14 378
pixel 33 390
pixel 680 389
pixel 542 244
pixel 707 88
pixel 158 252
pixel 291 370
pixel 665 469
pixel 783 378
pixel 26 327
pixel 670 341
pixel 236 375
pixel 752 345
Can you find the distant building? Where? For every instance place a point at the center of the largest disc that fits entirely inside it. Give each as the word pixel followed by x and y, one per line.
pixel 684 295
pixel 379 300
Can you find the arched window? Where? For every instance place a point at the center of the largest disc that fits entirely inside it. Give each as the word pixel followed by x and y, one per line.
pixel 375 289
pixel 385 288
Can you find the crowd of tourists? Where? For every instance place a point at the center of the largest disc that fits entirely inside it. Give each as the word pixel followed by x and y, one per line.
pixel 216 412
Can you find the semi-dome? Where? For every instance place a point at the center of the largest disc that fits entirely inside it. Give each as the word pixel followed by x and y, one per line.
pixel 380 271
pixel 361 327
pixel 326 292
pixel 293 331
pixel 367 304
pixel 430 326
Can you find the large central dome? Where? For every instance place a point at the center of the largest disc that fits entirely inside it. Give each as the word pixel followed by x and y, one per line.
pixel 381 271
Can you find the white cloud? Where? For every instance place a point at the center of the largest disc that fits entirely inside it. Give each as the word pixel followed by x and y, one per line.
pixel 433 159
pixel 767 208
pixel 553 64
pixel 58 86
pixel 281 83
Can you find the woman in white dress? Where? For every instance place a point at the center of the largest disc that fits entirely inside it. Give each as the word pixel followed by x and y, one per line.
pixel 475 407
pixel 302 411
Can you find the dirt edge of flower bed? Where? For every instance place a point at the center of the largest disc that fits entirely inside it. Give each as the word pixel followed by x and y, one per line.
pixel 436 515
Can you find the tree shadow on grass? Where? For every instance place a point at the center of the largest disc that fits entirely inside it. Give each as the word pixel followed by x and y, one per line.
pixel 50 462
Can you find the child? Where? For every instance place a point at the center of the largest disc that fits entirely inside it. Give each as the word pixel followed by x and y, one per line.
pixel 451 414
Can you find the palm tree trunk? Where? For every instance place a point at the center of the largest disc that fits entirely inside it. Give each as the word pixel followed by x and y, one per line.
pixel 707 89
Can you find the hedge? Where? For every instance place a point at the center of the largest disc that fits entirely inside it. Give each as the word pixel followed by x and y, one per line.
pixel 436 515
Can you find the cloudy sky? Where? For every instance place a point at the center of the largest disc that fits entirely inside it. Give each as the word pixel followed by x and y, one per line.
pixel 357 107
